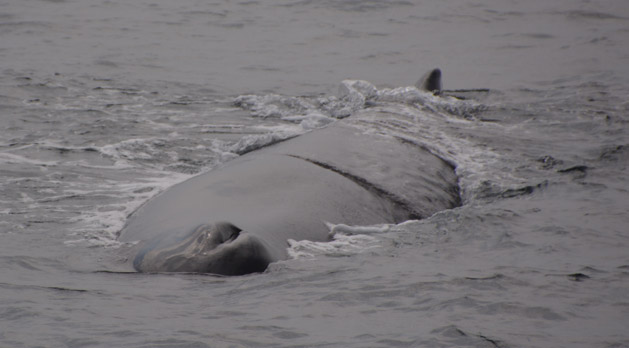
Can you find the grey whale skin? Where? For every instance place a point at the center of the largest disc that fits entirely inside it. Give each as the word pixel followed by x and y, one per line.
pixel 236 219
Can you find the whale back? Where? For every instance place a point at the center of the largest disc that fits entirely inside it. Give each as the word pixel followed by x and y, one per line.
pixel 290 190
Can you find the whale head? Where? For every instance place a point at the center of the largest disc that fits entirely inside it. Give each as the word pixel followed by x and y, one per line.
pixel 219 248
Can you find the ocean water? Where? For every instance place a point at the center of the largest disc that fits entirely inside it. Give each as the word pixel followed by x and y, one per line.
pixel 104 104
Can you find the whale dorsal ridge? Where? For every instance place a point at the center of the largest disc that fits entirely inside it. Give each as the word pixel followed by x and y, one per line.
pixel 430 82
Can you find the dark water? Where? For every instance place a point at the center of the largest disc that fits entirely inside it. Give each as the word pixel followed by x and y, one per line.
pixel 103 104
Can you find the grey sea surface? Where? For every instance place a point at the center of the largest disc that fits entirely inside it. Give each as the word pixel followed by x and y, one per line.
pixel 105 103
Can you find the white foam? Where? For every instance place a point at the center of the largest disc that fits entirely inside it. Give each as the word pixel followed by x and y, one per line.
pixel 10 158
pixel 355 230
pixel 124 153
pixel 355 93
pixel 345 240
pixel 253 142
pixel 403 95
pixel 312 120
pixel 273 105
pixel 352 96
pixel 101 225
pixel 340 245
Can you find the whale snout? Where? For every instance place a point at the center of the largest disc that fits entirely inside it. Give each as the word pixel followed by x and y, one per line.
pixel 220 248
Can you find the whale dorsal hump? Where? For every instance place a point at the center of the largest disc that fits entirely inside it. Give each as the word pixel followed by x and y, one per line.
pixel 430 82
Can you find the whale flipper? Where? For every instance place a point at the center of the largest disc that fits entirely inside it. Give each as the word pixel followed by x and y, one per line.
pixel 430 82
